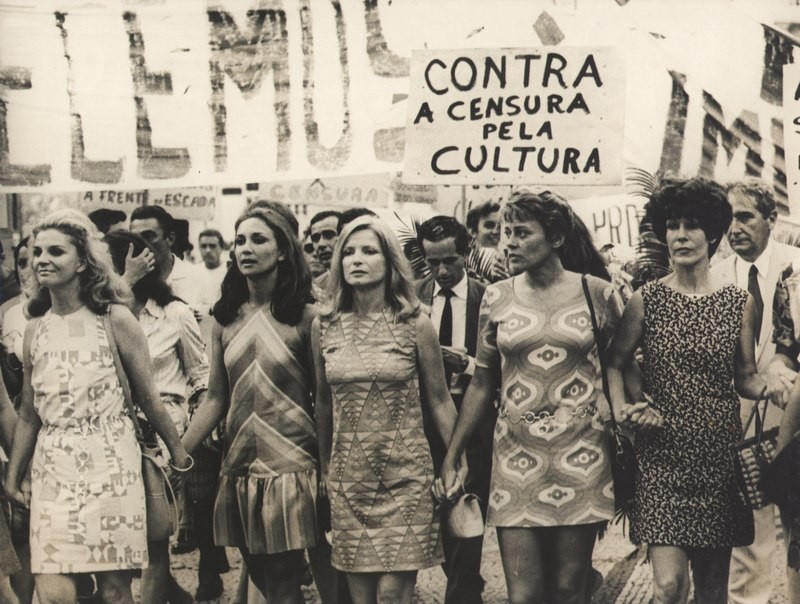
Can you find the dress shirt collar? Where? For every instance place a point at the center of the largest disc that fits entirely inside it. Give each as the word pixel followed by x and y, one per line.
pixel 460 289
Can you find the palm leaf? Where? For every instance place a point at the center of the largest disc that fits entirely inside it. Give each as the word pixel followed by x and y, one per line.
pixel 407 234
pixel 480 263
pixel 652 258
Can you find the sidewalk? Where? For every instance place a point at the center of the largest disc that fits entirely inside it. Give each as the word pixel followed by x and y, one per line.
pixel 627 577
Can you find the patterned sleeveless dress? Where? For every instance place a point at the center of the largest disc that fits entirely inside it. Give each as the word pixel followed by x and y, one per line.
pixel 266 499
pixel 550 464
pixel 686 493
pixel 87 496
pixel 382 511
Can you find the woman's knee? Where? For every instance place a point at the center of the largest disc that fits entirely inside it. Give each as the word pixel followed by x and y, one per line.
pixel 525 592
pixel 670 589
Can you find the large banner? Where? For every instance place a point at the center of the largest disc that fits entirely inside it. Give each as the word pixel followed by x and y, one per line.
pixel 522 115
pixel 156 94
pixel 791 130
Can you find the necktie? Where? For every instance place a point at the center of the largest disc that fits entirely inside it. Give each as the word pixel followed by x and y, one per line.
pixel 446 328
pixel 755 291
pixel 446 325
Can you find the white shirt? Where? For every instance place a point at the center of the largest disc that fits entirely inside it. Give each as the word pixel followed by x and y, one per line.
pixel 209 281
pixel 458 303
pixel 762 265
pixel 183 281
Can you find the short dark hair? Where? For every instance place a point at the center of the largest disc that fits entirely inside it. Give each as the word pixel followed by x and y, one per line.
pixel 164 218
pixel 323 215
pixel 349 216
pixel 280 208
pixel 758 191
pixel 104 218
pixel 697 199
pixel 442 227
pixel 213 233
pixel 480 211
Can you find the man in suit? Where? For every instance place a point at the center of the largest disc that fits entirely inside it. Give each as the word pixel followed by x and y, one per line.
pixel 454 299
pixel 756 266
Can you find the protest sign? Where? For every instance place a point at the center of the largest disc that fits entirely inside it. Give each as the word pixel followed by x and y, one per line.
pixel 516 115
pixel 342 192
pixel 791 128
pixel 189 203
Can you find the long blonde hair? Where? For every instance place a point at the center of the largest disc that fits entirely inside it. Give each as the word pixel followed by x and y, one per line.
pixel 99 284
pixel 399 283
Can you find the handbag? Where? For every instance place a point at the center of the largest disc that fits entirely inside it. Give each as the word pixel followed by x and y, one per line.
pixel 160 504
pixel 620 450
pixel 464 517
pixel 752 455
pixel 781 479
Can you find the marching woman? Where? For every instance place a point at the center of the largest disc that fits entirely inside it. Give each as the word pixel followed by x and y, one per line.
pixel 261 375
pixel 697 338
pixel 180 370
pixel 87 497
pixel 551 488
pixel 376 357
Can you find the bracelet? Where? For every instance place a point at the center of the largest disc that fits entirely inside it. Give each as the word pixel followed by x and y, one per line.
pixel 190 466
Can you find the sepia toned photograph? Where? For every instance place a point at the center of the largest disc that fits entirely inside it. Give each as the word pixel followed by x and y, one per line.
pixel 400 301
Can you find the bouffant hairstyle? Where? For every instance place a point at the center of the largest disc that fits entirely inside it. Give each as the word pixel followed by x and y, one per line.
pixel 699 200
pixel 99 284
pixel 293 284
pixel 559 222
pixel 399 282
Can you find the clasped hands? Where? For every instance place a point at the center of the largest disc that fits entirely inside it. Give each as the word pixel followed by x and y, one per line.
pixel 640 416
pixel 450 484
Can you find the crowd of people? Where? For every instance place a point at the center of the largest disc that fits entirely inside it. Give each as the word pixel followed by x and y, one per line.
pixel 320 405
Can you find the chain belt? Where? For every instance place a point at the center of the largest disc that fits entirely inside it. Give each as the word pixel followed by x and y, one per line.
pixel 562 415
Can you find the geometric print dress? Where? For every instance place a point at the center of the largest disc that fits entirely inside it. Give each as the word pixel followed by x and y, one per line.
pixel 550 465
pixel 382 511
pixel 87 496
pixel 686 492
pixel 267 492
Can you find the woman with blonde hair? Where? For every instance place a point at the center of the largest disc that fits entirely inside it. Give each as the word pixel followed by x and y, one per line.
pixel 376 358
pixel 86 497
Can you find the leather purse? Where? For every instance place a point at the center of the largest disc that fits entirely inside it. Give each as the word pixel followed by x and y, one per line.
pixel 464 517
pixel 160 503
pixel 620 447
pixel 752 456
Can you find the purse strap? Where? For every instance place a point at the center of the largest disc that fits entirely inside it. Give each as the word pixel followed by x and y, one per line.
pixel 760 416
pixel 123 378
pixel 601 351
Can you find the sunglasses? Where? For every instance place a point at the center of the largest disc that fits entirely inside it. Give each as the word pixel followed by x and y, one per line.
pixel 326 234
pixel 308 248
pixel 22 262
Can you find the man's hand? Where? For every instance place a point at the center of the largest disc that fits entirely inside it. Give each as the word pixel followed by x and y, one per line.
pixel 780 380
pixel 137 267
pixel 455 358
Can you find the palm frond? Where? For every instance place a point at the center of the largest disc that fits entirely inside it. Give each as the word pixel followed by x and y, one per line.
pixel 407 234
pixel 480 263
pixel 652 258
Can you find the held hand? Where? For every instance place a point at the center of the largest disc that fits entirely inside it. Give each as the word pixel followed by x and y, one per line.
pixel 137 267
pixel 779 380
pixel 455 359
pixel 447 486
pixel 18 496
pixel 650 419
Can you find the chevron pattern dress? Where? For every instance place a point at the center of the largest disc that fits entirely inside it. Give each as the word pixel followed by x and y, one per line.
pixel 266 502
pixel 382 511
